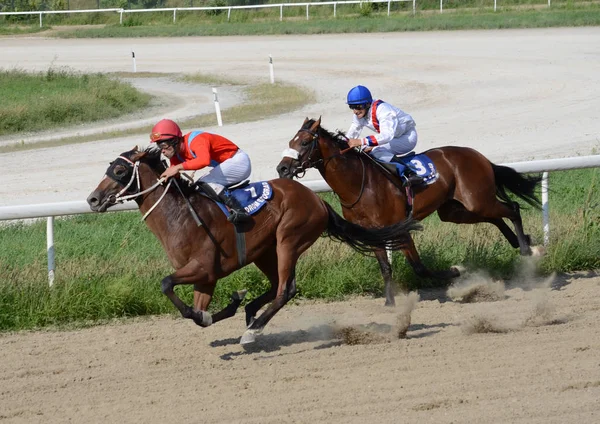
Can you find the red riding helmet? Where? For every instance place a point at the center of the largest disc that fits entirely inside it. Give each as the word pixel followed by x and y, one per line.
pixel 165 130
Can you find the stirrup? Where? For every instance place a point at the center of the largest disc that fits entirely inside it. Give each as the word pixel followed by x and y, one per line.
pixel 237 216
pixel 412 180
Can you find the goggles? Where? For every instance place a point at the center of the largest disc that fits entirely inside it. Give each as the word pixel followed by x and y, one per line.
pixel 357 107
pixel 156 136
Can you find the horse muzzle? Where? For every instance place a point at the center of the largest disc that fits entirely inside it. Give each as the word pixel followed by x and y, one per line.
pixel 287 169
pixel 99 203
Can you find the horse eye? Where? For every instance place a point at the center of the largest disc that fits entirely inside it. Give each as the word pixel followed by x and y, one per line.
pixel 305 143
pixel 120 170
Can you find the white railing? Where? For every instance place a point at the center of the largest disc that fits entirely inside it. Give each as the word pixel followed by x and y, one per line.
pixel 50 210
pixel 307 5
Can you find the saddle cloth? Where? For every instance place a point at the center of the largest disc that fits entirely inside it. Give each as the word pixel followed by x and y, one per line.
pixel 420 164
pixel 252 196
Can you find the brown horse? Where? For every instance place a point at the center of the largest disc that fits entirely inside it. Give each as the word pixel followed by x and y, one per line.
pixel 470 189
pixel 280 232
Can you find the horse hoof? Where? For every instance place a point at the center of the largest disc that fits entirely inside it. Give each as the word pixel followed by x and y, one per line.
pixel 460 269
pixel 538 251
pixel 239 295
pixel 248 337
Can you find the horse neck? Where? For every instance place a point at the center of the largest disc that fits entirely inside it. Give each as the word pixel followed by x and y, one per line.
pixel 343 172
pixel 166 212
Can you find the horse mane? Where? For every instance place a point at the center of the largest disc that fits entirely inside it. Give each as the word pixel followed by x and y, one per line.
pixel 151 156
pixel 339 137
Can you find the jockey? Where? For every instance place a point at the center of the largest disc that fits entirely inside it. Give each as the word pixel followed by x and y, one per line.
pixel 198 149
pixel 396 133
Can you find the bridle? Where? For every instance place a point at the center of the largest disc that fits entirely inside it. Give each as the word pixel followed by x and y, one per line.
pixel 300 171
pixel 122 197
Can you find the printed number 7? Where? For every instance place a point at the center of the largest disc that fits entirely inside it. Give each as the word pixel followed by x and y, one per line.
pixel 252 191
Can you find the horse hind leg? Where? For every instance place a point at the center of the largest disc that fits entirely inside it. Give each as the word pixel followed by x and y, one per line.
pixel 456 212
pixel 386 273
pixel 267 263
pixel 286 289
pixel 413 258
pixel 515 218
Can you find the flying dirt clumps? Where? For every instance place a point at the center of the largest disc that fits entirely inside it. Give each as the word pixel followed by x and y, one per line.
pixel 406 308
pixel 374 333
pixel 477 289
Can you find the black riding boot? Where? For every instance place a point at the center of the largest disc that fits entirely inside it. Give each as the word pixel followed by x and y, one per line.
pixel 238 213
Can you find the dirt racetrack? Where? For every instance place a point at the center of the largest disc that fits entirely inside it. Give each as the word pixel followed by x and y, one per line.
pixel 530 357
pixel 527 354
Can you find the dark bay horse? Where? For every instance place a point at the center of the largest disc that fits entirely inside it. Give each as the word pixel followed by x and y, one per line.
pixel 470 189
pixel 281 231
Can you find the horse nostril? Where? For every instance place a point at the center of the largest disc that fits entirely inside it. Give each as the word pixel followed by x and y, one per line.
pixel 282 170
pixel 92 201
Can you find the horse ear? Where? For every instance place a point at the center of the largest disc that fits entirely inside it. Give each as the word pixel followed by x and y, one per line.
pixel 316 124
pixel 305 121
pixel 137 156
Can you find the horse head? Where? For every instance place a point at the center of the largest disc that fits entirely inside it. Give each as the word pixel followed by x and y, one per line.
pixel 307 149
pixel 124 178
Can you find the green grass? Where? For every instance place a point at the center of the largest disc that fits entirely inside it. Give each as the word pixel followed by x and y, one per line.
pixel 22 111
pixel 59 97
pixel 110 265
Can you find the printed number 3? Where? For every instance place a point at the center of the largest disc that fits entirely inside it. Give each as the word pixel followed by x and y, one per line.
pixel 419 165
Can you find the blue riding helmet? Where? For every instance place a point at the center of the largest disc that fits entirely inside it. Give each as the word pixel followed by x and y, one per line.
pixel 359 95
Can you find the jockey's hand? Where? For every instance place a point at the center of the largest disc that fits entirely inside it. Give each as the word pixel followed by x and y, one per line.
pixel 171 171
pixel 367 149
pixel 354 142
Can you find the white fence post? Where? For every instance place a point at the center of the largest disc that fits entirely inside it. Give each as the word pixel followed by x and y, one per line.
pixel 271 69
pixel 50 248
pixel 40 19
pixel 545 207
pixel 217 107
pixel 133 57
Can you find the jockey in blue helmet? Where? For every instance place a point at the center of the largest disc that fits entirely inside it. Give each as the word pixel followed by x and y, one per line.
pixel 395 129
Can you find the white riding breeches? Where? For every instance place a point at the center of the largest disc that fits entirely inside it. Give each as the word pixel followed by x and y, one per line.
pixel 231 171
pixel 397 146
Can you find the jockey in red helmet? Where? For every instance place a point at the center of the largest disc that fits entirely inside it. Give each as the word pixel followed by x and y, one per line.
pixel 196 150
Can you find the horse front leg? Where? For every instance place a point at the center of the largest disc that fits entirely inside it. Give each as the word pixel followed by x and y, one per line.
pixel 203 296
pixel 190 274
pixel 413 258
pixel 386 272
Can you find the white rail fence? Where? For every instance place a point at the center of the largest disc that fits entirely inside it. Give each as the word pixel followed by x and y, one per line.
pixel 281 6
pixel 50 210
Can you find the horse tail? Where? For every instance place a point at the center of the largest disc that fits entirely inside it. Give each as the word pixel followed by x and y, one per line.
pixel 523 186
pixel 364 240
